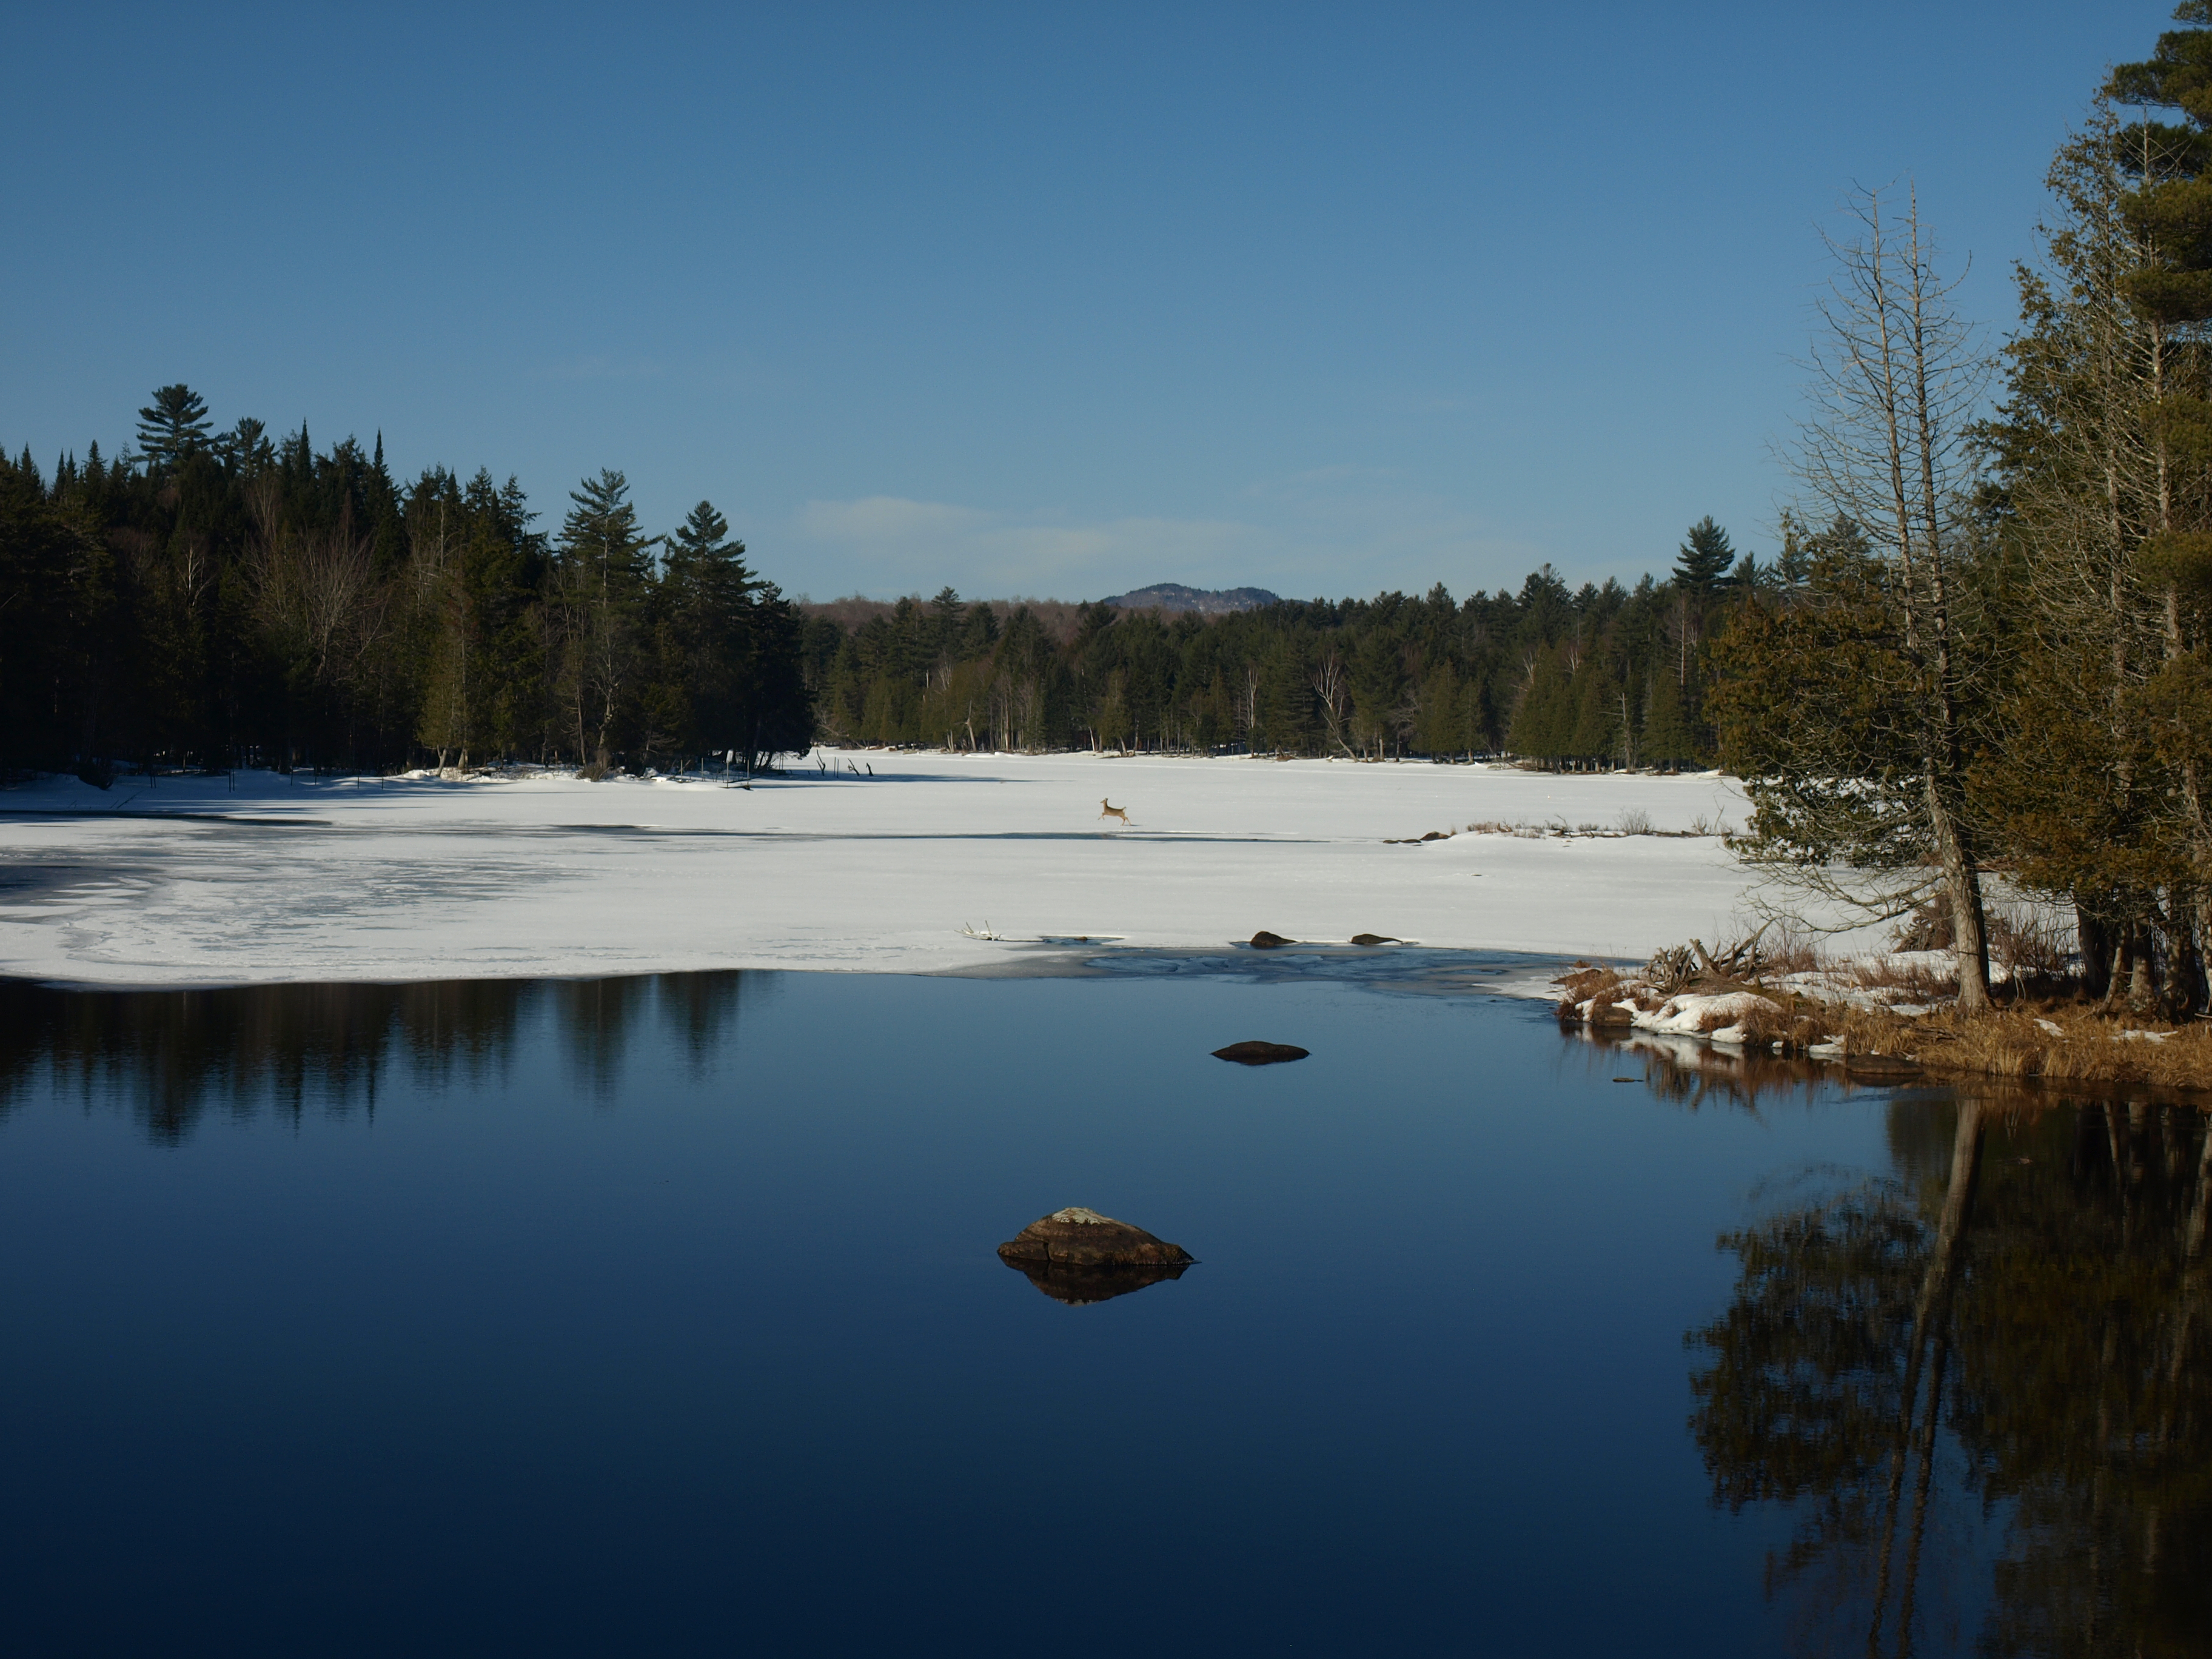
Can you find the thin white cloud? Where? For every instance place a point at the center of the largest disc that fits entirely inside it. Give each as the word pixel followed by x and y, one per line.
pixel 885 544
pixel 1333 531
pixel 876 519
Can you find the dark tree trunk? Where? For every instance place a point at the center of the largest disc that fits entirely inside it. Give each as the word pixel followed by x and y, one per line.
pixel 2094 935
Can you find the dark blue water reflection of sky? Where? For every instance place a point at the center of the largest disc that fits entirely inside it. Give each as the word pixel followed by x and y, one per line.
pixel 664 1318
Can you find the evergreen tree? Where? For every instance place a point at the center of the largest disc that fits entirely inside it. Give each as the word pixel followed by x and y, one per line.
pixel 945 614
pixel 1544 723
pixel 606 570
pixel 1704 557
pixel 2169 213
pixel 1667 739
pixel 706 639
pixel 1795 561
pixel 173 424
pixel 1601 731
pixel 245 449
pixel 2101 455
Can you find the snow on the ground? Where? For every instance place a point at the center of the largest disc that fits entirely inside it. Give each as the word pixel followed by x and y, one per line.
pixel 424 878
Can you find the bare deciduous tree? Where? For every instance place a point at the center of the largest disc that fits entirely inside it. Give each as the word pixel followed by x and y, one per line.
pixel 1876 810
pixel 1329 684
pixel 316 591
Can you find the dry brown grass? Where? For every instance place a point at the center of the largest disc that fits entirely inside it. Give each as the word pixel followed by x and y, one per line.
pixel 1919 981
pixel 2087 1047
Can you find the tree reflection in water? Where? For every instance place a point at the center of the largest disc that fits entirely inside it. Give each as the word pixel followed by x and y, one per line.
pixel 174 1056
pixel 2006 1331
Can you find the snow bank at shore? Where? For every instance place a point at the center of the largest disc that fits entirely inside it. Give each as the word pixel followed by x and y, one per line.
pixel 209 881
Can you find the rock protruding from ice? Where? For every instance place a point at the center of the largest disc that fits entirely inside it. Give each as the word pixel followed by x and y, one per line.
pixel 1375 938
pixel 1260 1053
pixel 1080 1238
pixel 1264 940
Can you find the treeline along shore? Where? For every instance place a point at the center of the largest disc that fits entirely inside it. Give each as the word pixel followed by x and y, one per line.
pixel 221 599
pixel 1594 677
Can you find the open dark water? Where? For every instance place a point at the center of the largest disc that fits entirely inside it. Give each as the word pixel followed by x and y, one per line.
pixel 661 1316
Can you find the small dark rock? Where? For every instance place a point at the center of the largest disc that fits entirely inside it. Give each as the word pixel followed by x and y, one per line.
pixel 1375 938
pixel 1437 835
pixel 1260 1053
pixel 1079 1238
pixel 1264 940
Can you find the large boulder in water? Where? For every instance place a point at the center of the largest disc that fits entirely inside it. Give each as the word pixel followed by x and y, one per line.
pixel 1080 1238
pixel 1260 1053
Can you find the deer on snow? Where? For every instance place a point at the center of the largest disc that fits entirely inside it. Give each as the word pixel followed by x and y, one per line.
pixel 1114 812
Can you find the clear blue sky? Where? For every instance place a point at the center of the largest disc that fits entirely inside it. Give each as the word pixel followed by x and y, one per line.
pixel 1042 299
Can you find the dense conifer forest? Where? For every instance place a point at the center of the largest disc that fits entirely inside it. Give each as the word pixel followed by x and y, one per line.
pixel 222 599
pixel 1593 677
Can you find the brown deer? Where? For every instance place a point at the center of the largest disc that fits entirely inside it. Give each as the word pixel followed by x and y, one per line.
pixel 1114 812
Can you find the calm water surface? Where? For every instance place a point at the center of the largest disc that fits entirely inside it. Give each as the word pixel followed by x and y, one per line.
pixel 661 1316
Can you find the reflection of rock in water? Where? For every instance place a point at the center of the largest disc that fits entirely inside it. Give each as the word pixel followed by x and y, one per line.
pixel 1260 1053
pixel 1077 1255
pixel 1080 1286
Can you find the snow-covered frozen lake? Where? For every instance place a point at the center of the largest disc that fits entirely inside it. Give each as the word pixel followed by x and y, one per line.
pixel 262 878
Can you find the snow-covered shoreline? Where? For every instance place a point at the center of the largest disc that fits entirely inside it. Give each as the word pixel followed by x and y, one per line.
pixel 209 881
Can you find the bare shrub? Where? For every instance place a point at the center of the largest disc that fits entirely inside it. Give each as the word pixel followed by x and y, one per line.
pixel 1789 951
pixel 1634 820
pixel 1766 1023
pixel 2032 943
pixel 1925 983
pixel 1928 927
pixel 1584 981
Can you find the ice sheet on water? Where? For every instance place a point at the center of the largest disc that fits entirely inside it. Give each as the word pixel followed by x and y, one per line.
pixel 547 874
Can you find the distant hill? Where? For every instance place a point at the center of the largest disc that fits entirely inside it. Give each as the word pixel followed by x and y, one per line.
pixel 1208 602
